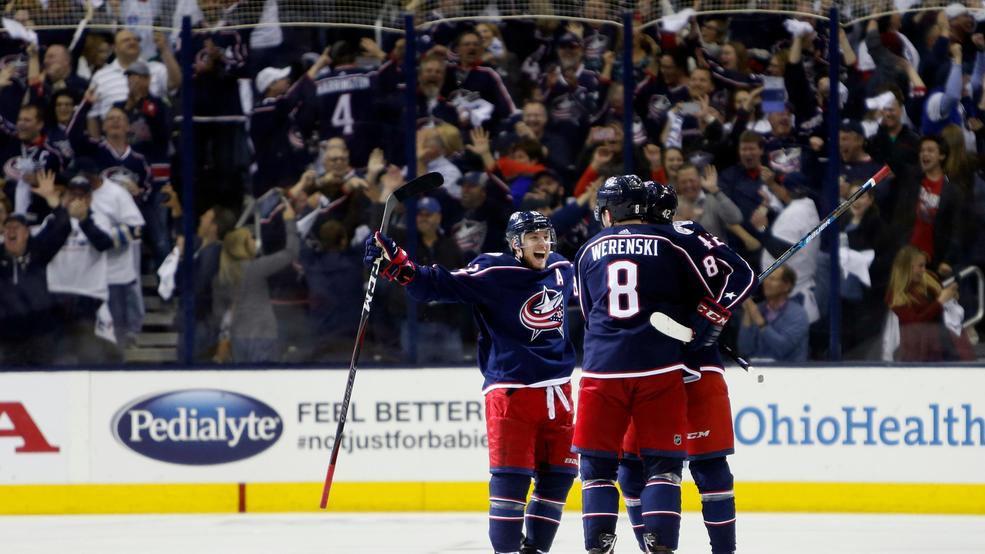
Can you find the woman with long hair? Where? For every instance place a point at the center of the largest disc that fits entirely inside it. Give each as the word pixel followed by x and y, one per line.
pixel 730 70
pixel 960 165
pixel 242 296
pixel 646 51
pixel 962 169
pixel 917 298
pixel 863 305
pixel 492 43
pixel 673 159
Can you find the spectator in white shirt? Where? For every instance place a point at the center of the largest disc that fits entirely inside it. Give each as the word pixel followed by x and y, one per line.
pixel 77 278
pixel 126 303
pixel 110 82
pixel 432 156
pixel 796 219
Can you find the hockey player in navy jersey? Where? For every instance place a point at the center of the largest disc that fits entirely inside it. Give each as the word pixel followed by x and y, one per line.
pixel 639 264
pixel 525 355
pixel 710 436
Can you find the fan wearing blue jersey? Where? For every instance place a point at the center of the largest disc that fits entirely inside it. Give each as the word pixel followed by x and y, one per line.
pixel 710 436
pixel 526 358
pixel 348 100
pixel 632 372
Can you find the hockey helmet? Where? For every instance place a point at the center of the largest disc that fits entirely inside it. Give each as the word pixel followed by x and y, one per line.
pixel 525 222
pixel 624 196
pixel 662 202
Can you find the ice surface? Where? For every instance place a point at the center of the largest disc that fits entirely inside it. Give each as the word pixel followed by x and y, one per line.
pixel 465 533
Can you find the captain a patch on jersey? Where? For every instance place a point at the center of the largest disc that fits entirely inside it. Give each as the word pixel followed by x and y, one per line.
pixel 542 312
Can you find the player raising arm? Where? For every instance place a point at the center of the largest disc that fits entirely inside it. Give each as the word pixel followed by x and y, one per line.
pixel 519 301
pixel 639 264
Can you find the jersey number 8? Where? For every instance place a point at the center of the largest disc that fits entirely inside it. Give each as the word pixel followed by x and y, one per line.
pixel 624 300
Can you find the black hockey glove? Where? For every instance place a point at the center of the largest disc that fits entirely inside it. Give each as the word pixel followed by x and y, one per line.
pixel 707 323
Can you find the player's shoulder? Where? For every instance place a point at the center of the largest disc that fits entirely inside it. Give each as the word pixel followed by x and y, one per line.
pixel 684 234
pixel 601 235
pixel 556 260
pixel 685 228
pixel 676 231
pixel 667 230
pixel 490 260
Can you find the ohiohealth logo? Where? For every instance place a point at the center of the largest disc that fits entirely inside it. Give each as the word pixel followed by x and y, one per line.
pixel 934 426
pixel 197 427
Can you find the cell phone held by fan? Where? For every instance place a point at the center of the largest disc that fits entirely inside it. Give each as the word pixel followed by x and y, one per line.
pixel 690 108
pixel 270 204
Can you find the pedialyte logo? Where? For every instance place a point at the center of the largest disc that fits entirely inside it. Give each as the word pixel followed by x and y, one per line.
pixel 544 311
pixel 197 427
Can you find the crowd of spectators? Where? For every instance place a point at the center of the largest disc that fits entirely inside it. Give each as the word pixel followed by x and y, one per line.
pixel 299 139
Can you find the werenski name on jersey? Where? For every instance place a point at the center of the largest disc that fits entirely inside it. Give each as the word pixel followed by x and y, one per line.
pixel 636 246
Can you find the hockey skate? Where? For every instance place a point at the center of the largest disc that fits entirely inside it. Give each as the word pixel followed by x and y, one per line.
pixel 650 542
pixel 607 542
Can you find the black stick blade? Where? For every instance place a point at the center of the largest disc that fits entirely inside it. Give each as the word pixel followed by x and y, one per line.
pixel 420 185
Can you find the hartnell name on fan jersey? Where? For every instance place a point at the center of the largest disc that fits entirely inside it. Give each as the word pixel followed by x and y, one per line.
pixel 343 84
pixel 636 246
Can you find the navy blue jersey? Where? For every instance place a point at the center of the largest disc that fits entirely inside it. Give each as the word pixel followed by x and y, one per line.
pixel 128 165
pixel 573 104
pixel 523 334
pixel 18 159
pixel 347 106
pixel 150 127
pixel 280 151
pixel 706 358
pixel 220 61
pixel 627 272
pixel 465 86
pixel 597 41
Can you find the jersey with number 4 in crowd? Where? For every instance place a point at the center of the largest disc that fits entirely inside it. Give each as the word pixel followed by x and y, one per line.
pixel 627 272
pixel 348 106
pixel 520 314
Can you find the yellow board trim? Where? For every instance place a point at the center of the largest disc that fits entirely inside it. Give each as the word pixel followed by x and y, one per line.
pixel 116 499
pixel 463 497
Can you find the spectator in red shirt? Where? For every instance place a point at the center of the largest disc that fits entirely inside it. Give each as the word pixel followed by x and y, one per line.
pixel 927 208
pixel 918 299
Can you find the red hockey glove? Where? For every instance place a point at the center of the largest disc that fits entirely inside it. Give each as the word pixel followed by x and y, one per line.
pixel 400 267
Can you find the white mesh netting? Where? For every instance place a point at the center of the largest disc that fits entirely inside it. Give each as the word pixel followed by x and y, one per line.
pixel 386 15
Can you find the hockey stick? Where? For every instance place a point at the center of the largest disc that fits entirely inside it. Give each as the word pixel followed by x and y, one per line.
pixel 415 187
pixel 866 187
pixel 668 326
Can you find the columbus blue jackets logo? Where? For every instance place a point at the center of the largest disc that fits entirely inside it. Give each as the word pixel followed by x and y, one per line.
pixel 544 311
pixel 120 175
pixel 657 106
pixel 681 227
pixel 17 167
